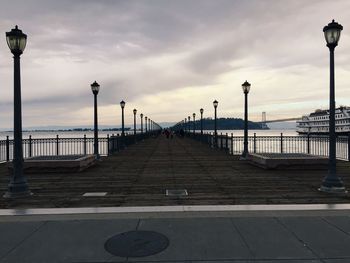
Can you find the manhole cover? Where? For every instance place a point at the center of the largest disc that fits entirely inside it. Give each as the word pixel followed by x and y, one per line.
pixel 137 244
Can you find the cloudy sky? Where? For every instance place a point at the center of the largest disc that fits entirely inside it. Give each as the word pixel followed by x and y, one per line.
pixel 170 58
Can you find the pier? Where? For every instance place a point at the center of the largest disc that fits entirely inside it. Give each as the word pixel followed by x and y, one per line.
pixel 141 174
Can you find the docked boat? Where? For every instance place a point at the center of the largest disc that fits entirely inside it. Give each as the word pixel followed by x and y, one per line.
pixel 318 122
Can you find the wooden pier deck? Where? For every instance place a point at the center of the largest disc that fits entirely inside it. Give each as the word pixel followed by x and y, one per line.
pixel 141 174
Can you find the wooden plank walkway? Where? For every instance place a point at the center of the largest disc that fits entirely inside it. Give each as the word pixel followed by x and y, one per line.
pixel 140 175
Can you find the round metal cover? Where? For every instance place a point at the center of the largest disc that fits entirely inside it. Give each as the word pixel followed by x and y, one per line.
pixel 136 244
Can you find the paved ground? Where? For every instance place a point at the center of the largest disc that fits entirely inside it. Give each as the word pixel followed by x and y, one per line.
pixel 230 237
pixel 140 175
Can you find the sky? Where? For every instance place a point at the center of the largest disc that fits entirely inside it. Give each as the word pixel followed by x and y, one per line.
pixel 170 58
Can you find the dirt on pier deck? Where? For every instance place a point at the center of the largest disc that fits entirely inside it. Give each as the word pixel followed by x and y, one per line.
pixel 141 174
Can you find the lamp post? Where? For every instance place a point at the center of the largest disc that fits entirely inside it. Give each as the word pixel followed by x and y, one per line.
pixel 189 124
pixel 246 87
pixel 134 111
pixel 122 105
pixel 95 88
pixel 332 183
pixel 215 104
pixel 201 111
pixel 149 125
pixel 194 123
pixel 18 186
pixel 146 124
pixel 141 116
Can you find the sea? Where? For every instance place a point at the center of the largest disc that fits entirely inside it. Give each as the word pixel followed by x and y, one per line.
pixel 103 134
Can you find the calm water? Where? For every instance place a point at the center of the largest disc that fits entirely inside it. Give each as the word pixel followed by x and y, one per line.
pixel 103 134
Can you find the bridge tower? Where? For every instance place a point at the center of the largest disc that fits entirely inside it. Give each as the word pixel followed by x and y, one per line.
pixel 263 120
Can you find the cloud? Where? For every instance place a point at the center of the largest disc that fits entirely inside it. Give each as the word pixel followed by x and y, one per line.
pixel 173 56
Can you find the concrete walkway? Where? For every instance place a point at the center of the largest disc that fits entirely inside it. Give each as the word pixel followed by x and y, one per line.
pixel 238 236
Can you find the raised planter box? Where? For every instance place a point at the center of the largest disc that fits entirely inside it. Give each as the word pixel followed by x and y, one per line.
pixel 288 161
pixel 57 164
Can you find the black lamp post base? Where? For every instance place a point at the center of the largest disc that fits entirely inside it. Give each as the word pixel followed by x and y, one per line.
pixel 333 190
pixel 244 156
pixel 334 186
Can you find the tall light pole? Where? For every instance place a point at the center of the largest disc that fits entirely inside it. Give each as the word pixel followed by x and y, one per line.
pixel 201 111
pixel 95 88
pixel 141 116
pixel 194 123
pixel 246 87
pixel 215 104
pixel 134 111
pixel 332 183
pixel 122 105
pixel 189 124
pixel 146 124
pixel 18 186
pixel 149 124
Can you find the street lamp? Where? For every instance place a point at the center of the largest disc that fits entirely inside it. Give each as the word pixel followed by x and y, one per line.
pixel 18 185
pixel 215 104
pixel 141 116
pixel 189 124
pixel 332 183
pixel 201 111
pixel 246 87
pixel 194 123
pixel 95 88
pixel 122 105
pixel 134 111
pixel 146 124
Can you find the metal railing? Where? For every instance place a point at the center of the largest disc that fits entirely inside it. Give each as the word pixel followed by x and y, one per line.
pixel 309 144
pixel 70 146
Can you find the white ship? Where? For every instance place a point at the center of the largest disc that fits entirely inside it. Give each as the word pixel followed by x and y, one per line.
pixel 318 122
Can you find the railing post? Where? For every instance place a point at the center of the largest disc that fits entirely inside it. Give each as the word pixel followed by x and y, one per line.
pixel 221 143
pixel 7 149
pixel 107 144
pixel 30 146
pixel 281 142
pixel 349 147
pixel 226 142
pixel 118 142
pixel 232 143
pixel 84 144
pixel 113 143
pixel 254 142
pixel 57 145
pixel 308 143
